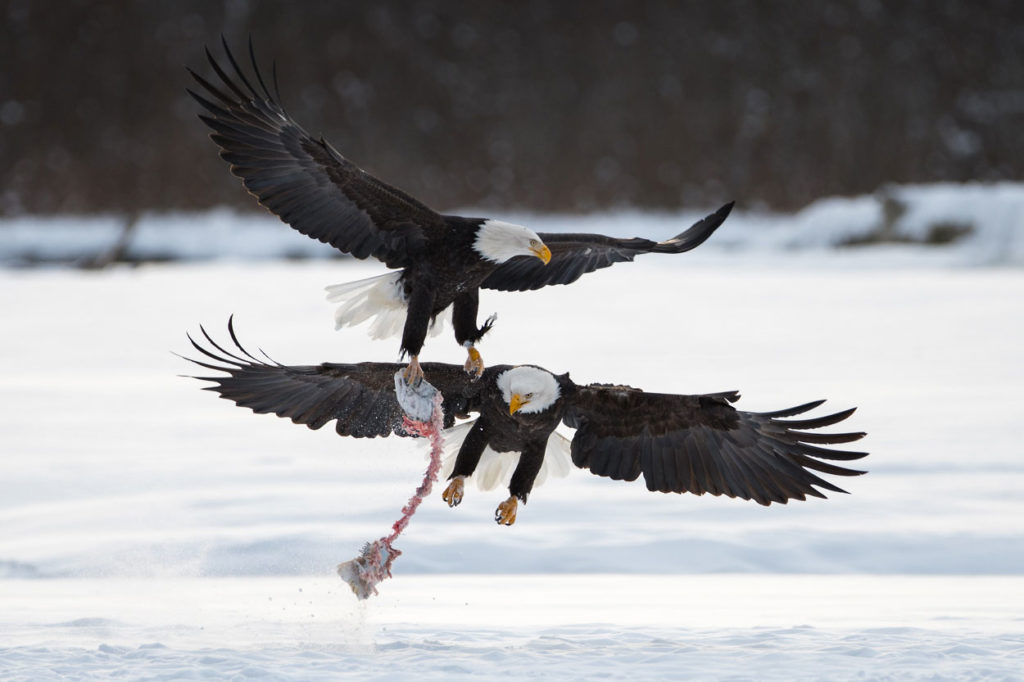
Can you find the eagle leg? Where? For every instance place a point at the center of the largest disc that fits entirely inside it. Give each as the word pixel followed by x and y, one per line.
pixel 413 374
pixel 474 363
pixel 505 514
pixel 453 493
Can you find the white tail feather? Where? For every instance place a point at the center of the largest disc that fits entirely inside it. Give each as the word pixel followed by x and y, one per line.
pixel 495 468
pixel 379 298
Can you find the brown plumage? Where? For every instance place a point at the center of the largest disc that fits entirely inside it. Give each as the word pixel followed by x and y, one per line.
pixel 312 187
pixel 679 443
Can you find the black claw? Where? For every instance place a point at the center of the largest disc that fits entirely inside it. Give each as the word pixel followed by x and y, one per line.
pixel 488 323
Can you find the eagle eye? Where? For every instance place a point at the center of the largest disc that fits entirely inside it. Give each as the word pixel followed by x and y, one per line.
pixel 529 395
pixel 533 242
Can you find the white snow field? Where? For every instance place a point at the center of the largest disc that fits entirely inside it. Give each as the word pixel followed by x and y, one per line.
pixel 149 530
pixel 991 216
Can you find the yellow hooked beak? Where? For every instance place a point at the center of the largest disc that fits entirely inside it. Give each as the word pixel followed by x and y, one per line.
pixel 516 403
pixel 543 252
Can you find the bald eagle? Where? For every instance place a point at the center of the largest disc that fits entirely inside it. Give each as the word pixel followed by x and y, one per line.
pixel 442 260
pixel 678 443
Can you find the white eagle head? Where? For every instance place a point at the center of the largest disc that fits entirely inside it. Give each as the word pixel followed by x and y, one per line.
pixel 498 242
pixel 528 389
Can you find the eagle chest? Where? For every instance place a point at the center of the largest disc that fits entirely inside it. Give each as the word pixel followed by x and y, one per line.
pixel 454 275
pixel 510 432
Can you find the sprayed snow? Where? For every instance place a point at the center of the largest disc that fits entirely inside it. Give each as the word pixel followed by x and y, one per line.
pixel 373 565
pixel 509 627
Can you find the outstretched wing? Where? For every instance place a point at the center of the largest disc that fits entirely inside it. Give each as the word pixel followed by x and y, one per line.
pixel 360 397
pixel 305 181
pixel 701 444
pixel 574 255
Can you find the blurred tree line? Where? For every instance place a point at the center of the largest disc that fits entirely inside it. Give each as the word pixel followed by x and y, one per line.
pixel 534 104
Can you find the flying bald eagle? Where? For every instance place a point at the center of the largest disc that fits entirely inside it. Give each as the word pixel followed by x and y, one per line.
pixel 678 443
pixel 442 260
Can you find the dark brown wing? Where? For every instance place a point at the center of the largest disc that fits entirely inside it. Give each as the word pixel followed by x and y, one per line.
pixel 574 255
pixel 305 181
pixel 361 397
pixel 701 444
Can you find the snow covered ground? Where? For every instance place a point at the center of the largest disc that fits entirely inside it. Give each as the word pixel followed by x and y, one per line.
pixel 149 530
pixel 608 627
pixel 978 223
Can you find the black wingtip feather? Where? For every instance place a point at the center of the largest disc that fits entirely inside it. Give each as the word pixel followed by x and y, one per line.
pixel 256 70
pixel 223 75
pixel 790 411
pixel 277 90
pixel 238 344
pixel 212 356
pixel 828 438
pixel 696 234
pixel 206 104
pixel 222 350
pixel 238 71
pixel 218 368
pixel 818 422
pixel 213 89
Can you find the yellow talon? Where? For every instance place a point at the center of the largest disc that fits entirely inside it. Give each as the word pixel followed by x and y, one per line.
pixel 505 514
pixel 453 493
pixel 474 363
pixel 413 373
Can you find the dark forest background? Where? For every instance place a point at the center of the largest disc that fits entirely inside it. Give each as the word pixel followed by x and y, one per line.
pixel 536 104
